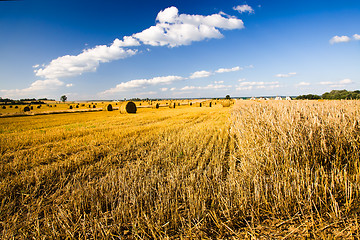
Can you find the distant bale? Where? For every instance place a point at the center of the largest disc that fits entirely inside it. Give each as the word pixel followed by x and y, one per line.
pixel 178 104
pixel 31 108
pixel 55 105
pixel 128 107
pixel 26 109
pixel 10 106
pixel 190 103
pixel 77 106
pixel 172 105
pixel 3 107
pixel 208 104
pixel 38 106
pixel 226 103
pixel 139 104
pixel 199 104
pixel 94 106
pixel 157 105
pixel 83 105
pixel 16 106
pixel 108 107
pixel 70 107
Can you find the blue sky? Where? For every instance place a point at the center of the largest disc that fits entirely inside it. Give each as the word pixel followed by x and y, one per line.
pixel 175 49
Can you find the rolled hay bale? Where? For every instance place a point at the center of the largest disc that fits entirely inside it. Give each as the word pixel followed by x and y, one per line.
pixel 226 103
pixel 10 106
pixel 16 106
pixel 31 108
pixel 156 106
pixel 70 107
pixel 190 103
pixel 208 104
pixel 108 107
pixel 83 105
pixel 178 104
pixel 94 106
pixel 77 106
pixel 26 109
pixel 3 107
pixel 128 107
pixel 198 104
pixel 55 105
pixel 172 105
pixel 38 106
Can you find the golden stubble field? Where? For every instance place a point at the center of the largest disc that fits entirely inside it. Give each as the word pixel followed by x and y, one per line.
pixel 268 169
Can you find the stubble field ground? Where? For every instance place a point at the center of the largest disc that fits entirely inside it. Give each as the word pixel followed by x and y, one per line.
pixel 270 169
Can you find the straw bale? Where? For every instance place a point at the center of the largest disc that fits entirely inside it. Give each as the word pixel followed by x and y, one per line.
pixel 108 107
pixel 128 107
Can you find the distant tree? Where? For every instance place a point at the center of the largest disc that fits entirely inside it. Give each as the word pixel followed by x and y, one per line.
pixel 227 97
pixel 308 97
pixel 63 98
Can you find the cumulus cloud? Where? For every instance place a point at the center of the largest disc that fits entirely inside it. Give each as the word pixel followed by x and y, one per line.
pixel 258 85
pixel 339 39
pixel 164 89
pixel 35 87
pixel 173 30
pixel 243 8
pixel 336 84
pixel 200 74
pixel 356 37
pixel 224 70
pixel 219 82
pixel 142 83
pixel 87 61
pixel 302 84
pixel 69 85
pixel 280 75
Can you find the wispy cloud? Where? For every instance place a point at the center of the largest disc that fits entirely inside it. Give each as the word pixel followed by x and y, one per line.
pixel 302 84
pixel 200 74
pixel 224 70
pixel 142 83
pixel 337 84
pixel 343 39
pixel 243 8
pixel 35 87
pixel 208 87
pixel 291 74
pixel 257 85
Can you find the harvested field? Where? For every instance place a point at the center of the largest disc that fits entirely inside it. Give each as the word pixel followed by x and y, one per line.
pixel 254 170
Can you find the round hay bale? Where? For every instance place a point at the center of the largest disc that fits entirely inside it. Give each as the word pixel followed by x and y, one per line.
pixel 94 106
pixel 26 109
pixel 3 107
pixel 190 103
pixel 83 105
pixel 128 107
pixel 77 106
pixel 226 103
pixel 16 106
pixel 108 107
pixel 70 107
pixel 199 104
pixel 31 108
pixel 38 106
pixel 172 105
pixel 178 104
pixel 156 106
pixel 10 106
pixel 55 105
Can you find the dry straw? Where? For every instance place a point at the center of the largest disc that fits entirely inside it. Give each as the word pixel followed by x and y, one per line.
pixel 157 105
pixel 128 107
pixel 108 107
pixel 172 105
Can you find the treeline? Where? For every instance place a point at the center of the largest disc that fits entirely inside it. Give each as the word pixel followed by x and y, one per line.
pixel 24 101
pixel 334 94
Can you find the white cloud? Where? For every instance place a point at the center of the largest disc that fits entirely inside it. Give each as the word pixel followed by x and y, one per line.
pixel 219 82
pixel 208 87
pixel 242 79
pixel 356 37
pixel 280 75
pixel 172 89
pixel 36 66
pixel 35 87
pixel 142 83
pixel 223 70
pixel 87 61
pixel 164 89
pixel 259 85
pixel 69 85
pixel 200 74
pixel 338 84
pixel 302 84
pixel 339 39
pixel 173 30
pixel 244 8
